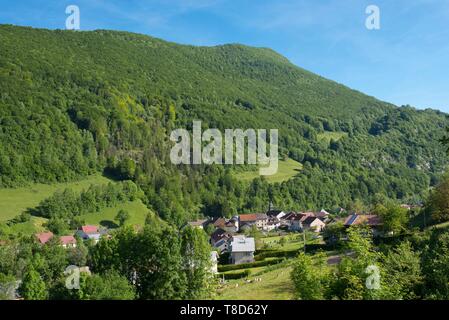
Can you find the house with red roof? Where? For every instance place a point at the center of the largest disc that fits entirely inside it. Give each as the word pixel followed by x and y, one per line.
pixel 68 241
pixel 44 237
pixel 246 221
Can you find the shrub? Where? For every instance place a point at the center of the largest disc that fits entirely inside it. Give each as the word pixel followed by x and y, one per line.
pixel 236 275
pixel 249 265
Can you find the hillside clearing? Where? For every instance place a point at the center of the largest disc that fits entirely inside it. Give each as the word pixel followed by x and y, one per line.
pixel 15 201
pixel 329 136
pixel 287 169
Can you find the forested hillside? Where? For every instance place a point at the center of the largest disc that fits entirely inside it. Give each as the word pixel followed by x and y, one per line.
pixel 76 103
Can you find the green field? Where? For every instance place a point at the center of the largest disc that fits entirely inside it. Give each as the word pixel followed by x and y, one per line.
pixel 275 285
pixel 292 242
pixel 30 227
pixel 328 136
pixel 106 217
pixel 15 201
pixel 286 170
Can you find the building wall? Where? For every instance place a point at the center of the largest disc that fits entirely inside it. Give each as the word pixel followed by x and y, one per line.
pixel 242 257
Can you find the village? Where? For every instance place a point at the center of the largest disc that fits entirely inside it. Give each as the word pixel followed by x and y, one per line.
pixel 246 247
pixel 233 243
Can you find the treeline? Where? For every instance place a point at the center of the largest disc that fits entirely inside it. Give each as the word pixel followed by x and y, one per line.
pixel 158 262
pixel 64 208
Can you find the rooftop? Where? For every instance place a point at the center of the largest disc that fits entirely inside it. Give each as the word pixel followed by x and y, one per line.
pixel 44 237
pixel 243 244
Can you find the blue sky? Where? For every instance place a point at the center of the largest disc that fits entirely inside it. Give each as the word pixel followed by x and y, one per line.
pixel 405 62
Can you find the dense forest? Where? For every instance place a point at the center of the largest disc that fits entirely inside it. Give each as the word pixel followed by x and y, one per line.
pixel 76 103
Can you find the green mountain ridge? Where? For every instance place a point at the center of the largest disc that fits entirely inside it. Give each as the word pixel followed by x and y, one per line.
pixel 75 103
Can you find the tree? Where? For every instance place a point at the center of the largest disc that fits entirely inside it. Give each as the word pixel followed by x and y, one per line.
pixel 78 256
pixel 57 226
pixel 309 278
pixel 403 268
pixel 122 216
pixel 157 263
pixel 7 287
pixel 196 253
pixel 255 233
pixel 33 287
pixel 349 282
pixel 150 259
pixel 282 241
pixel 108 286
pixel 435 266
pixel 333 233
pixel 209 229
pixel 438 202
pixel 394 218
pixel 357 206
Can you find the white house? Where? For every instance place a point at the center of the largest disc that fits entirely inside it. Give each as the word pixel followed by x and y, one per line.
pixel 242 250
pixel 89 232
pixel 313 223
pixel 68 241
pixel 272 224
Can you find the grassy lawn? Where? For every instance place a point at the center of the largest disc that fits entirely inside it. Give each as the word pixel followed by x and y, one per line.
pixel 106 217
pixel 293 242
pixel 35 225
pixel 275 285
pixel 328 136
pixel 286 170
pixel 14 201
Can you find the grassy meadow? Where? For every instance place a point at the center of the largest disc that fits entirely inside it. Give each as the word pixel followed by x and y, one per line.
pixel 15 201
pixel 286 170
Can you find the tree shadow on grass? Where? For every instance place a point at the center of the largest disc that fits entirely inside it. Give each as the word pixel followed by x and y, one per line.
pixel 109 224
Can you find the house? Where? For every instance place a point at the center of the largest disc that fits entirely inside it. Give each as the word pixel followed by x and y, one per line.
pixel 89 232
pixel 246 221
pixel 44 237
pixel 323 214
pixel 201 223
pixel 214 262
pixel 371 220
pixel 272 213
pixel 219 239
pixel 68 241
pixel 242 250
pixel 313 223
pixel 219 223
pixel 232 225
pixel 296 220
pixel 272 224
pixel 262 221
